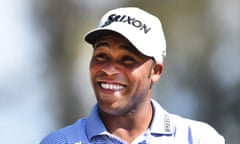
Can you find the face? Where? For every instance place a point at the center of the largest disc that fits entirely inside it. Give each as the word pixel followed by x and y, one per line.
pixel 121 77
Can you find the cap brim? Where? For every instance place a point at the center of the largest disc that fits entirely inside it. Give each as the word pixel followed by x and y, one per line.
pixel 92 36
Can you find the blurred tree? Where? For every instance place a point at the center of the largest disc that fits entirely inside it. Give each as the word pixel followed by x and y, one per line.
pixel 192 39
pixel 61 20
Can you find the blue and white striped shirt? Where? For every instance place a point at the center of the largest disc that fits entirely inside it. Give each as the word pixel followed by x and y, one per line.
pixel 165 128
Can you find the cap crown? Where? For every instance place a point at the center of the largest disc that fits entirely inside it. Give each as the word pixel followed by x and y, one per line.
pixel 141 28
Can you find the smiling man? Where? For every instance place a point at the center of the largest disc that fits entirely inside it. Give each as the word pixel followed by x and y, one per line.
pixel 128 51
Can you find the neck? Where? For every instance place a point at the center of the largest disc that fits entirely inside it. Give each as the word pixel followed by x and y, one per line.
pixel 129 126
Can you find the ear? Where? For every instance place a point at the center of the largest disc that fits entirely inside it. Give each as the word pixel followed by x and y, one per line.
pixel 157 71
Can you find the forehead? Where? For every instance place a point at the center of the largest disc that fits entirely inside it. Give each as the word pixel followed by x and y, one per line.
pixel 117 39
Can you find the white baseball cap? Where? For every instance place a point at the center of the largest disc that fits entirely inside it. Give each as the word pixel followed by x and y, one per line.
pixel 142 29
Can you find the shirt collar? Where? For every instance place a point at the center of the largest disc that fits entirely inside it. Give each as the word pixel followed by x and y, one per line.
pixel 161 123
pixel 94 125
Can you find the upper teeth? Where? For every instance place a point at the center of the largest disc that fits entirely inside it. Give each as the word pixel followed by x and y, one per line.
pixel 111 86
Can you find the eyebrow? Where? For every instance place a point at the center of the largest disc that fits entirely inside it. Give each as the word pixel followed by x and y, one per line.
pixel 131 48
pixel 128 47
pixel 99 44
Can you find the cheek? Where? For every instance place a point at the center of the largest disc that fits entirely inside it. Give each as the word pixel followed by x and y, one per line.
pixel 93 72
pixel 135 80
pixel 94 68
pixel 142 73
pixel 142 77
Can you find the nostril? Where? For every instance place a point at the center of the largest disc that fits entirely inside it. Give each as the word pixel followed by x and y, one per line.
pixel 110 69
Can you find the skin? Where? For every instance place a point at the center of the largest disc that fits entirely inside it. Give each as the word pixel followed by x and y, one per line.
pixel 122 79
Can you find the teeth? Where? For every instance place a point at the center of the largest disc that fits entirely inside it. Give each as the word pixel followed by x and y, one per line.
pixel 111 86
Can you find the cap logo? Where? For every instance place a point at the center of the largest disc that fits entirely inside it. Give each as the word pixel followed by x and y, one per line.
pixel 129 20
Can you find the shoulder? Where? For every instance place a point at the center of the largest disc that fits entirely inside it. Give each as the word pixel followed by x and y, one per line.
pixel 196 131
pixel 184 130
pixel 54 138
pixel 69 134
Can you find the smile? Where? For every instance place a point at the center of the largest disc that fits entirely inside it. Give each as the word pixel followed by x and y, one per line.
pixel 108 86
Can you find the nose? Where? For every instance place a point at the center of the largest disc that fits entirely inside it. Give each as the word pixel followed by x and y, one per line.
pixel 110 69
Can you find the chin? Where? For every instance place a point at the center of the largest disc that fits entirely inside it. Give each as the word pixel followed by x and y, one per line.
pixel 115 111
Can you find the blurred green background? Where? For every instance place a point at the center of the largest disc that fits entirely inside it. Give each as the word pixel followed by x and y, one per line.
pixel 44 76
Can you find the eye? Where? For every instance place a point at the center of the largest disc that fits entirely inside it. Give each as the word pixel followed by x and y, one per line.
pixel 128 60
pixel 101 57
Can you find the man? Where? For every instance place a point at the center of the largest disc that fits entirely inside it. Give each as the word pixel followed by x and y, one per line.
pixel 128 51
